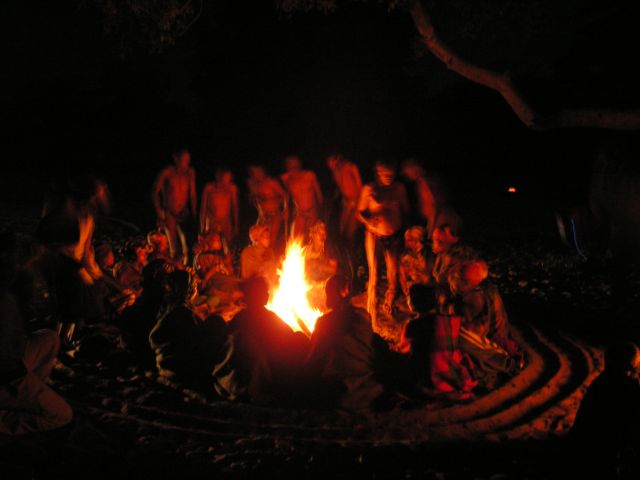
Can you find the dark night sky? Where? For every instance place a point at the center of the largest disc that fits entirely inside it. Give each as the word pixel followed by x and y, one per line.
pixel 246 86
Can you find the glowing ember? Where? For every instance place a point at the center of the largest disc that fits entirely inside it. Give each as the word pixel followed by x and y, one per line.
pixel 512 190
pixel 289 300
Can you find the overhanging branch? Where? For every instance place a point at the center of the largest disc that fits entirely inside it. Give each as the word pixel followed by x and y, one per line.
pixel 501 83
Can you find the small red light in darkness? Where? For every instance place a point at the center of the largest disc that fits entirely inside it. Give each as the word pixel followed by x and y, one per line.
pixel 512 190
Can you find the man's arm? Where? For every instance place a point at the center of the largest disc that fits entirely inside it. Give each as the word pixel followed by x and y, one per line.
pixel 363 205
pixel 156 194
pixel 204 207
pixel 234 208
pixel 316 190
pixel 355 173
pixel 193 193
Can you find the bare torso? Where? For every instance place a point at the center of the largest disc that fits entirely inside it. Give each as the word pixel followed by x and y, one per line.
pixel 219 200
pixel 347 178
pixel 175 186
pixel 269 196
pixel 383 207
pixel 302 185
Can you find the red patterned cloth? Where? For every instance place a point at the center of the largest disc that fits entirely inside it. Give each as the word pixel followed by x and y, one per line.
pixel 450 368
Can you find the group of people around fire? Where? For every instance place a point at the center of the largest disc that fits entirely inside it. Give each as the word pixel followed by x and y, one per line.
pixel 189 301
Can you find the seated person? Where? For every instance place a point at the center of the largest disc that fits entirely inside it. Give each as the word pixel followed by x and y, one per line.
pixel 606 425
pixel 137 321
pixel 27 403
pixel 436 359
pixel 216 284
pixel 341 355
pixel 264 354
pixel 105 258
pixel 258 259
pixel 484 333
pixel 159 248
pixel 128 272
pixel 186 347
pixel 414 266
pixel 320 265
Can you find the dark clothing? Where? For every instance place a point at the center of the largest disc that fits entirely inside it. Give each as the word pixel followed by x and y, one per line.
pixel 27 403
pixel 605 430
pixel 341 358
pixel 263 357
pixel 187 348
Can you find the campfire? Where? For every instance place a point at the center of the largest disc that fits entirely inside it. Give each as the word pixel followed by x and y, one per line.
pixel 290 298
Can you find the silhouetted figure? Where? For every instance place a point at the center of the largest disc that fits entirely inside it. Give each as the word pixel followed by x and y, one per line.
pixel 137 321
pixel 27 403
pixel 605 432
pixel 76 282
pixel 340 365
pixel 264 355
pixel 186 347
pixel 174 199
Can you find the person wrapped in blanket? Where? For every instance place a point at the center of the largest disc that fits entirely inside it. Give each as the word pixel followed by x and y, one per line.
pixel 415 265
pixel 484 331
pixel 217 286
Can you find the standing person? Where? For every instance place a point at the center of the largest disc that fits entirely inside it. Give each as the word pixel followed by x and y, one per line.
pixel 347 178
pixel 381 208
pixel 270 201
pixel 174 198
pixel 429 199
pixel 305 193
pixel 219 207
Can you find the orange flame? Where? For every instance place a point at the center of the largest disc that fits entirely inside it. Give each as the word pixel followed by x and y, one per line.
pixel 289 300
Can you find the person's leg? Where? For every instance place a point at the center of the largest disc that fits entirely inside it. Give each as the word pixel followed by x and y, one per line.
pixel 31 406
pixel 370 248
pixel 170 230
pixel 391 264
pixel 41 353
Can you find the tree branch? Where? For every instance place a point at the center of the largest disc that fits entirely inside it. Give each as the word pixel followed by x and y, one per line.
pixel 501 83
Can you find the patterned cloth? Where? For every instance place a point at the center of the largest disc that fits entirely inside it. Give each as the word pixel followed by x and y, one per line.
pixel 450 368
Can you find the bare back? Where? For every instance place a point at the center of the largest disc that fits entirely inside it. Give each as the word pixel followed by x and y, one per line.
pixel 347 177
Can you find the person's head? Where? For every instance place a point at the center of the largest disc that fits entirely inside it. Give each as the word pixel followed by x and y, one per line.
pixel 337 290
pixel 443 238
pixel 104 255
pixel 159 242
pixel 137 250
pixel 422 298
pixel 155 278
pixel 213 241
pixel 292 163
pixel 182 159
pixel 256 292
pixel 260 235
pixel 414 238
pixel 318 233
pixel 334 161
pixel 412 170
pixel 623 359
pixel 385 172
pixel 8 257
pixel 257 172
pixel 179 285
pixel 466 276
pixel 224 176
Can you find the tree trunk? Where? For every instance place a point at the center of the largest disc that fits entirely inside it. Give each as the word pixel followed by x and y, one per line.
pixel 501 82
